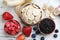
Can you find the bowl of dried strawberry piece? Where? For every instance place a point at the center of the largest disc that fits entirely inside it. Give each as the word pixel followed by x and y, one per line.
pixel 12 27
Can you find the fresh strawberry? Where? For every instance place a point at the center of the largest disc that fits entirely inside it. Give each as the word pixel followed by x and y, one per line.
pixel 7 16
pixel 21 37
pixel 27 30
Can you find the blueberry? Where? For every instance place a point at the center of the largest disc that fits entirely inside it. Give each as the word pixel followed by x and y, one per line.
pixel 34 39
pixel 33 35
pixel 55 35
pixel 42 38
pixel 34 28
pixel 56 31
pixel 37 32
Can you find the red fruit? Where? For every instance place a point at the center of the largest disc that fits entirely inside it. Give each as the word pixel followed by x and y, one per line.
pixel 17 30
pixel 6 30
pixel 27 30
pixel 7 16
pixel 13 33
pixel 7 24
pixel 10 27
pixel 21 37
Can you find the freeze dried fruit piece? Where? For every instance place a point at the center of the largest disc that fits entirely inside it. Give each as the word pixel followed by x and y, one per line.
pixel 45 7
pixel 57 12
pixel 31 14
pixel 49 14
pixel 51 9
pixel 12 27
pixel 7 16
pixel 52 16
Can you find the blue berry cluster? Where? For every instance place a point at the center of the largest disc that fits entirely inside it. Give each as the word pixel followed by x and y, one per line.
pixel 55 35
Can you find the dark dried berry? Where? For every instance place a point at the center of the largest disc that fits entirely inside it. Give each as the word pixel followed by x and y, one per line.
pixel 47 26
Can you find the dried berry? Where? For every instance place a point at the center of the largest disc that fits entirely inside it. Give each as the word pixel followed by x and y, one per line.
pixel 10 27
pixel 47 26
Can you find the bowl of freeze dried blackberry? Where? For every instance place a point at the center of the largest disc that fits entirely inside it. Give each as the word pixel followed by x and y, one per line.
pixel 46 26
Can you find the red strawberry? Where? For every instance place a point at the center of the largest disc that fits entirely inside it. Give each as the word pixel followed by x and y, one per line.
pixel 27 30
pixel 21 37
pixel 7 16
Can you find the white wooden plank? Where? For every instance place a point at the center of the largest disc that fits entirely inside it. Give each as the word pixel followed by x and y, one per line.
pixel 4 38
pixel 3 34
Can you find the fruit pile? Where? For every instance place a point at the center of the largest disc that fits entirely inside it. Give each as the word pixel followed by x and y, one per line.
pixel 12 27
pixel 46 26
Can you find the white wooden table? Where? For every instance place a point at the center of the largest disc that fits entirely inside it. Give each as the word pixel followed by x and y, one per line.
pixel 4 36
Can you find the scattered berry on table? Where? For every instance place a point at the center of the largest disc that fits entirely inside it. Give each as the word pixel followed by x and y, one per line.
pixel 33 35
pixel 42 38
pixel 34 39
pixel 55 35
pixel 56 31
pixel 37 32
pixel 34 28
